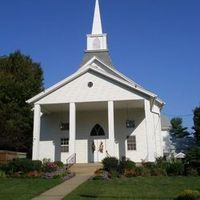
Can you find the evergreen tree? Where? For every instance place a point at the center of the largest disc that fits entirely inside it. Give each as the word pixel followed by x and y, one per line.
pixel 196 120
pixel 20 79
pixel 177 128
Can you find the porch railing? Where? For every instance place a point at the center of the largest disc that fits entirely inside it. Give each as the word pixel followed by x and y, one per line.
pixel 71 160
pixel 107 154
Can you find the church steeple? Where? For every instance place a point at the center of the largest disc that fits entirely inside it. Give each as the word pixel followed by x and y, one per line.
pixel 97 26
pixel 97 40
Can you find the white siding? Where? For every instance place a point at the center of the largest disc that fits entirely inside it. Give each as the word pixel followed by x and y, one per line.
pixel 122 132
pixel 78 91
pixel 86 120
pixel 153 131
pixel 50 136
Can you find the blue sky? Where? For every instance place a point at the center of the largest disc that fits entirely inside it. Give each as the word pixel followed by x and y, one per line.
pixel 154 42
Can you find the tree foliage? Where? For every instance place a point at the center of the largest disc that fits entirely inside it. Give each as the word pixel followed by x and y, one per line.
pixel 196 120
pixel 177 128
pixel 20 79
pixel 193 154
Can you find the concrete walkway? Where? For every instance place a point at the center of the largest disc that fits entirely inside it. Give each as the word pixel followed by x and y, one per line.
pixel 83 173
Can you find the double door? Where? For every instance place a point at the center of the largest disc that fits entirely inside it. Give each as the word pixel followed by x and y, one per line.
pixel 97 150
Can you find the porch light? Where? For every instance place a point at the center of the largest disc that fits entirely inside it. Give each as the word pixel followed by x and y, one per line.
pixel 64 126
pixel 130 124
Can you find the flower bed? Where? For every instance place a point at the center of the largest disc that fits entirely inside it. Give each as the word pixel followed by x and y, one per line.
pixel 29 168
pixel 112 167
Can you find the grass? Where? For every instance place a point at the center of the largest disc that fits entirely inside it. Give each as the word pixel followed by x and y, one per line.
pixel 24 188
pixel 153 188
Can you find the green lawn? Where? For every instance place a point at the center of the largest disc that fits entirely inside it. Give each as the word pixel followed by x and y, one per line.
pixel 24 188
pixel 135 188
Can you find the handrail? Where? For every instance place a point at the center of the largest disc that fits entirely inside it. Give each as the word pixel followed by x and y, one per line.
pixel 71 160
pixel 108 155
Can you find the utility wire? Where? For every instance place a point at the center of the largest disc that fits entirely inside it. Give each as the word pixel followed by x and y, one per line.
pixel 184 115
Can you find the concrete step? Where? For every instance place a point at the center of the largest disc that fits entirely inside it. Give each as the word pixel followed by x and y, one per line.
pixel 85 168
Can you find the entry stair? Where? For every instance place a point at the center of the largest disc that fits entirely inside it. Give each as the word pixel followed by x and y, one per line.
pixel 85 168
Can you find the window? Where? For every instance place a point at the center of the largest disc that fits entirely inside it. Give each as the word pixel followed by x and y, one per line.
pixel 90 84
pixel 64 143
pixel 131 143
pixel 97 131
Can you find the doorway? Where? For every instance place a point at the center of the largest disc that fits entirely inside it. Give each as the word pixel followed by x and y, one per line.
pixel 96 144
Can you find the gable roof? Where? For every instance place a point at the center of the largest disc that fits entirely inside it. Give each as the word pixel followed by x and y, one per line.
pixel 115 75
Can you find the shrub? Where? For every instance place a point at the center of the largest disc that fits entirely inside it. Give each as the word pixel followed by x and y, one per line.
pixel 110 163
pixel 149 165
pixel 114 173
pixel 193 155
pixel 59 164
pixel 23 166
pixel 126 165
pixel 130 172
pixel 188 195
pixel 37 165
pixel 161 162
pixel 142 171
pixel 145 172
pixel 175 168
pixel 158 172
pixel 49 167
pixel 191 171
pixel 2 174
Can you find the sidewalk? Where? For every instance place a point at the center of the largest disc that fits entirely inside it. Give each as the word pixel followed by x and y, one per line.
pixel 83 173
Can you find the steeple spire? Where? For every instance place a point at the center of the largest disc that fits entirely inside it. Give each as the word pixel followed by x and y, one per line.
pixel 97 26
pixel 97 41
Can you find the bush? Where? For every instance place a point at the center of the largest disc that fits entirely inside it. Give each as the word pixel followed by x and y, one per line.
pixel 2 174
pixel 158 172
pixel 145 171
pixel 149 165
pixel 110 163
pixel 142 171
pixel 175 168
pixel 188 195
pixel 193 155
pixel 37 165
pixel 23 166
pixel 161 162
pixel 49 167
pixel 130 172
pixel 59 164
pixel 126 165
pixel 114 174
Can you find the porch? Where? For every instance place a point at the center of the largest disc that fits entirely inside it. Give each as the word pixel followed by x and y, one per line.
pixel 92 130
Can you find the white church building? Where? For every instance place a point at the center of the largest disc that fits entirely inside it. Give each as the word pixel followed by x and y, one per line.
pixel 97 112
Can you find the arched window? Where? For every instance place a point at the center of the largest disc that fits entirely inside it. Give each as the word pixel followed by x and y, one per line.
pixel 97 131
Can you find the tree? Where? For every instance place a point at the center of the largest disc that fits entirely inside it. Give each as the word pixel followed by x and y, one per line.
pixel 20 79
pixel 177 128
pixel 196 120
pixel 181 139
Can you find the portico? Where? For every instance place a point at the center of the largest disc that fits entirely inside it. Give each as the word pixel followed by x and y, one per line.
pixel 82 118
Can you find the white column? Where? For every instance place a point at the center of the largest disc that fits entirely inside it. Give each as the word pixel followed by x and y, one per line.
pixel 72 127
pixel 149 132
pixel 111 128
pixel 36 131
